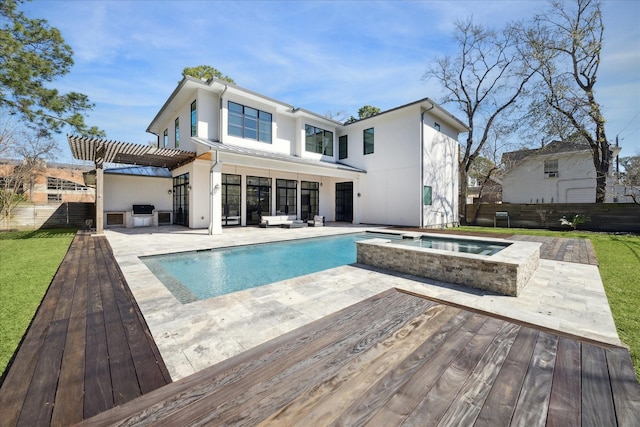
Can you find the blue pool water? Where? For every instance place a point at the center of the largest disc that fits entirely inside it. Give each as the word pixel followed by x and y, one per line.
pixel 193 276
pixel 478 247
pixel 205 274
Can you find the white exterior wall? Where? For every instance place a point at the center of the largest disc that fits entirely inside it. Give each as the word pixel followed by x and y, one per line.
pixel 440 165
pixel 576 182
pixel 121 192
pixel 390 188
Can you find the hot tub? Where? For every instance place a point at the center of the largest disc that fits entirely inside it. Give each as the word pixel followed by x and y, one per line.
pixel 499 265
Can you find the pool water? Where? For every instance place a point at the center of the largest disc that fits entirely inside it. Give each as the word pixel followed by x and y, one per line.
pixel 192 276
pixel 478 247
pixel 200 275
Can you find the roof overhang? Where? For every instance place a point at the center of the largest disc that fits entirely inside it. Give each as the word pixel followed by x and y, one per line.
pixel 271 160
pixel 103 151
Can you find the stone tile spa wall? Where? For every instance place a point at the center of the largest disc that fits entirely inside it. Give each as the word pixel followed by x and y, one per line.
pixel 506 272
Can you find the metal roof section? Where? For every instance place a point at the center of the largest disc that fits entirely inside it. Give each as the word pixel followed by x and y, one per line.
pixel 148 171
pixel 234 149
pixel 105 151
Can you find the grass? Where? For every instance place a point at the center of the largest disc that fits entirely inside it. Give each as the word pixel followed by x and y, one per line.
pixel 28 262
pixel 619 265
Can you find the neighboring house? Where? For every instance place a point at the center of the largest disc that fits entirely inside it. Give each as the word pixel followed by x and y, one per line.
pixel 487 191
pixel 53 183
pixel 252 156
pixel 560 172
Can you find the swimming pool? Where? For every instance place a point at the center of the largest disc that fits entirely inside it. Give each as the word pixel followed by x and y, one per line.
pixel 193 276
pixel 468 246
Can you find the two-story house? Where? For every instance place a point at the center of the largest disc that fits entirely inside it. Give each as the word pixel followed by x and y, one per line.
pixel 559 172
pixel 255 156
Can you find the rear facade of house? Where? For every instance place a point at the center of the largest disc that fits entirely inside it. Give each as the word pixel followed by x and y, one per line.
pixel 256 156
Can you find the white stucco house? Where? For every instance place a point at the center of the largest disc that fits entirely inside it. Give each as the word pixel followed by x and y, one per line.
pixel 559 172
pixel 234 155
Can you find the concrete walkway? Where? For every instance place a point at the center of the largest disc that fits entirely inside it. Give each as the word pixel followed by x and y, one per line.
pixel 562 296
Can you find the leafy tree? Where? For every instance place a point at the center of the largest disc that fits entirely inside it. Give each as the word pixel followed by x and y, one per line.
pixel 364 112
pixel 565 42
pixel 206 72
pixel 368 111
pixel 33 54
pixel 483 79
pixel 631 174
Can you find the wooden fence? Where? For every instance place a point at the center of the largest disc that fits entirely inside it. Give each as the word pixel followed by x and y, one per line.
pixel 50 215
pixel 602 217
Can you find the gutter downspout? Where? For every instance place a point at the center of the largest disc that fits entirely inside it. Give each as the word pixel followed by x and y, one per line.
pixel 214 163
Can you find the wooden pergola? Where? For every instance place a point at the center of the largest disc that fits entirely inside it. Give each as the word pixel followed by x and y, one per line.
pixel 100 151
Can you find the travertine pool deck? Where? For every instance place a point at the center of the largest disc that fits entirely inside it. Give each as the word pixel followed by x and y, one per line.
pixel 562 296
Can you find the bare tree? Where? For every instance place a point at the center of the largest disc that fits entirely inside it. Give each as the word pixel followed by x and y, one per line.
pixel 30 151
pixel 484 80
pixel 565 42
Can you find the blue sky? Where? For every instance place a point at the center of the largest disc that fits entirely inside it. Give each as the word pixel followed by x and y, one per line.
pixel 323 56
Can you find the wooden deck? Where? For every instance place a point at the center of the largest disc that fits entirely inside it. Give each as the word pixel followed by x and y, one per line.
pixel 88 348
pixel 569 250
pixel 400 359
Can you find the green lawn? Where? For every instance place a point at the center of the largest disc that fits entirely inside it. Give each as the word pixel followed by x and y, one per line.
pixel 619 264
pixel 28 262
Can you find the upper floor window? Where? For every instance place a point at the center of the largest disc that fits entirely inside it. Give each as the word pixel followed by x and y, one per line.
pixel 177 123
pixel 436 126
pixel 194 119
pixel 551 168
pixel 165 138
pixel 368 141
pixel 318 140
pixel 249 123
pixel 343 147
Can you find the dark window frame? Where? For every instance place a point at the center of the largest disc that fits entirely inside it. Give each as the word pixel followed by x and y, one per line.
pixel 249 123
pixel 318 140
pixel 343 147
pixel 194 119
pixel 176 124
pixel 368 141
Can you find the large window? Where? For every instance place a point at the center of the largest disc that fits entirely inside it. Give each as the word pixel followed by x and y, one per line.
pixel 194 119
pixel 343 147
pixel 249 123
pixel 319 140
pixel 286 200
pixel 177 125
pixel 165 138
pixel 231 188
pixel 309 199
pixel 551 168
pixel 368 141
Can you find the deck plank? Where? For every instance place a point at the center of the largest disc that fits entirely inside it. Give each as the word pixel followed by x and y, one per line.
pixel 566 386
pixel 500 404
pixel 42 390
pixel 384 389
pixel 597 399
pixel 408 396
pixel 443 393
pixel 124 381
pixel 70 393
pixel 468 403
pixel 625 387
pixel 320 404
pixel 533 402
